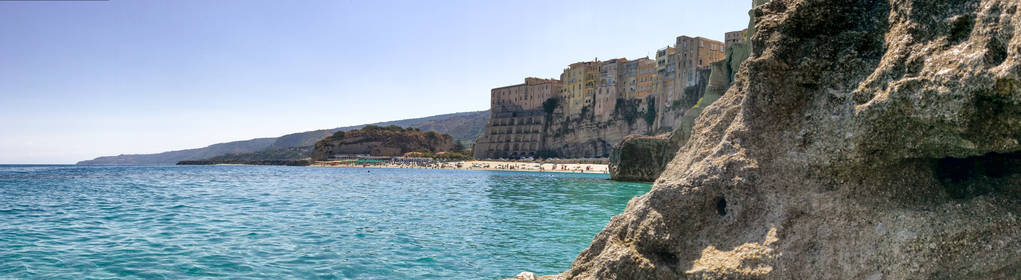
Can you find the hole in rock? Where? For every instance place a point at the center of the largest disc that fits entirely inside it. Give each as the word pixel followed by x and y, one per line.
pixel 996 52
pixel 961 28
pixel 721 206
pixel 666 257
pixel 965 178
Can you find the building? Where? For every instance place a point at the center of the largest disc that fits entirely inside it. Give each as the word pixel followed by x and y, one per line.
pixel 579 86
pixel 523 97
pixel 666 72
pixel 733 37
pixel 517 118
pixel 681 76
pixel 607 88
pixel 598 103
pixel 646 75
pixel 696 53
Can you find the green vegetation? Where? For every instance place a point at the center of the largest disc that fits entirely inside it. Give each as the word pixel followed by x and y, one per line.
pixel 650 111
pixel 550 105
pixel 294 153
pixel 386 128
pixel 627 108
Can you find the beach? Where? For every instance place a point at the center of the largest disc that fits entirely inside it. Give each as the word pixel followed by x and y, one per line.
pixel 478 165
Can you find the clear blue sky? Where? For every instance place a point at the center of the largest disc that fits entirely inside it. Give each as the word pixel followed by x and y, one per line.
pixel 85 79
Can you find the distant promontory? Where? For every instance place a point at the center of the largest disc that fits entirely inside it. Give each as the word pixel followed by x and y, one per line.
pixel 390 141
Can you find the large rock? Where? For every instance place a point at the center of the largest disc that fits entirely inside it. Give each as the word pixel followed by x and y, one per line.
pixel 641 158
pixel 861 140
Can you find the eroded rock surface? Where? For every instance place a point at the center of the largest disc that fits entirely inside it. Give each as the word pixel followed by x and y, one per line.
pixel 861 140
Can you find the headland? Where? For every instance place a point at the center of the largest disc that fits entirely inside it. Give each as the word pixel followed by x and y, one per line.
pixel 532 166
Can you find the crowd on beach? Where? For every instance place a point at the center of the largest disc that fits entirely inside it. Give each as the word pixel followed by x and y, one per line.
pixel 474 165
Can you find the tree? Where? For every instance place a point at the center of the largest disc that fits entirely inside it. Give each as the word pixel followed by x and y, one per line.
pixel 650 112
pixel 550 105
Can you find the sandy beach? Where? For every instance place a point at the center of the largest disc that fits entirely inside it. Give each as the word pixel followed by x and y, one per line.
pixel 481 165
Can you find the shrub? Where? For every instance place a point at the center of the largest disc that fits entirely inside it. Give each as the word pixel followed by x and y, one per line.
pixel 550 105
pixel 650 112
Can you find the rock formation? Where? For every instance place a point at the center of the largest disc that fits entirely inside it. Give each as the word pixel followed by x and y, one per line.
pixel 861 140
pixel 381 141
pixel 641 158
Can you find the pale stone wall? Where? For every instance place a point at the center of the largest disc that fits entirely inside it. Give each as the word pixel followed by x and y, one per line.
pixel 517 119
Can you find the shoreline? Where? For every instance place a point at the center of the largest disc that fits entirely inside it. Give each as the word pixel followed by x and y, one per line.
pixel 486 165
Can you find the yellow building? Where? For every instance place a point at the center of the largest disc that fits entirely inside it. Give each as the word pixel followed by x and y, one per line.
pixel 578 86
pixel 645 78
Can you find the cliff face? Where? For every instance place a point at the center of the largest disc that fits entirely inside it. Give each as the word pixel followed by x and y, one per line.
pixel 860 140
pixel 586 136
pixel 381 141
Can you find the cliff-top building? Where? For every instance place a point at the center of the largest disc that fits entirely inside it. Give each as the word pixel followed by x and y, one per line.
pixel 682 72
pixel 595 104
pixel 733 37
pixel 516 118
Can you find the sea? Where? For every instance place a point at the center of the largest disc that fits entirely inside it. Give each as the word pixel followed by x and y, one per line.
pixel 275 222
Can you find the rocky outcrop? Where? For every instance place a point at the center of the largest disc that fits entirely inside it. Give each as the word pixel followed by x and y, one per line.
pixel 381 141
pixel 860 140
pixel 641 158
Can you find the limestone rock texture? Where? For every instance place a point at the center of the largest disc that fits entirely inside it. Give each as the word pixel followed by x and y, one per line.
pixel 641 158
pixel 860 140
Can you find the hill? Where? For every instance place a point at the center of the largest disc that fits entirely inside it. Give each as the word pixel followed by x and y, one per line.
pixel 382 141
pixel 464 127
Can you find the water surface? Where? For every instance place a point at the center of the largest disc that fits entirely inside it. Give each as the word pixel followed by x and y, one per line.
pixel 174 222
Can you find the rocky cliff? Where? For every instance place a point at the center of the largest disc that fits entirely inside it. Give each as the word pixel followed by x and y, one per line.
pixel 585 136
pixel 860 140
pixel 381 141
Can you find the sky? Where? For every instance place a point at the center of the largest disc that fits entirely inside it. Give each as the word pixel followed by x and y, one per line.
pixel 82 79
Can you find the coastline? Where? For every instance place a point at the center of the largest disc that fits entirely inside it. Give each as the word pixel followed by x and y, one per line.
pixel 481 165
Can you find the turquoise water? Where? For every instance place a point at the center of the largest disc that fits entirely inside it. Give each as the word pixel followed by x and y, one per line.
pixel 175 222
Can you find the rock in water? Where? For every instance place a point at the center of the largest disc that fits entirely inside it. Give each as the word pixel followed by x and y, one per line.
pixel 861 140
pixel 641 158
